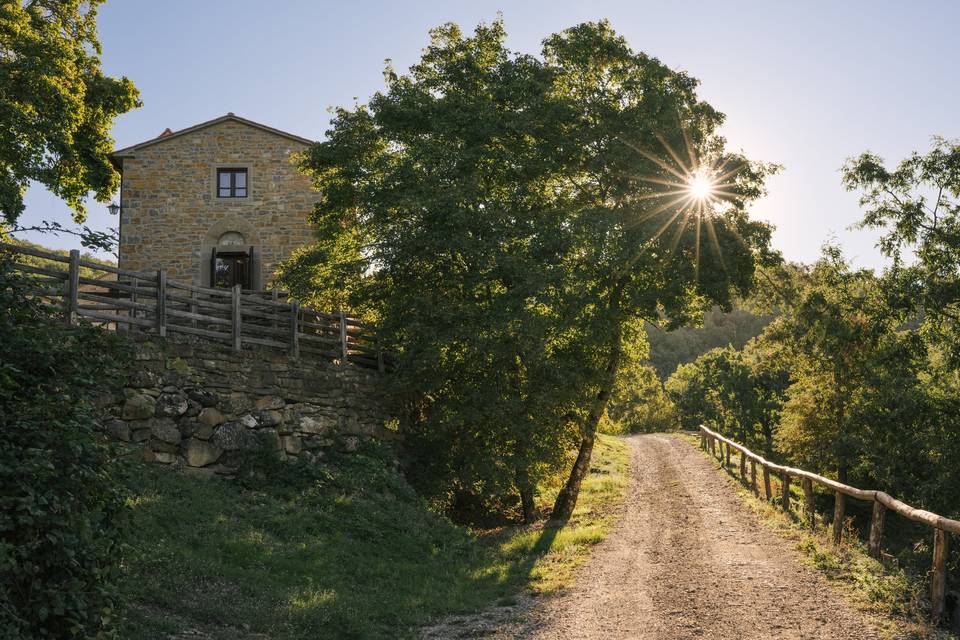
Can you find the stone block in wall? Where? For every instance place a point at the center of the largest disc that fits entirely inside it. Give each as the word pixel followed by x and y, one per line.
pixel 199 453
pixel 165 429
pixel 171 404
pixel 269 418
pixel 236 402
pixel 193 409
pixel 118 429
pixel 187 427
pixel 293 445
pixel 143 378
pixel 164 458
pixel 316 442
pixel 204 397
pixel 232 436
pixel 211 417
pixel 138 407
pixel 316 424
pixel 269 402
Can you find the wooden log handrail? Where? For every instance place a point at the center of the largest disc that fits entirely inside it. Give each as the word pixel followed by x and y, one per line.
pixel 881 503
pixel 154 303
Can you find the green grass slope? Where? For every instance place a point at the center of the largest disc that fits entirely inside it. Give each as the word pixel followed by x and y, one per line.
pixel 351 552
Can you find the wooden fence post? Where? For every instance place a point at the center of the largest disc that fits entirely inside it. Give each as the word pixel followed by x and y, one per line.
pixel 193 308
pixel 785 493
pixel 728 455
pixel 275 297
pixel 876 528
pixel 344 349
pixel 743 466
pixel 236 317
pixel 938 582
pixel 294 328
pixel 73 285
pixel 767 492
pixel 839 510
pixel 808 502
pixel 713 446
pixel 133 298
pixel 753 475
pixel 162 303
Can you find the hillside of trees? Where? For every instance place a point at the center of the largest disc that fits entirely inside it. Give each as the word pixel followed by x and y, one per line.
pixel 670 349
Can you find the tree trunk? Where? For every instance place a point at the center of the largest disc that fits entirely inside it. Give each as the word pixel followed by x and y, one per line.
pixel 567 498
pixel 529 506
pixel 767 439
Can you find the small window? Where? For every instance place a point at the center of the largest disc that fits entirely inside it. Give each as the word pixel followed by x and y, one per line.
pixel 231 183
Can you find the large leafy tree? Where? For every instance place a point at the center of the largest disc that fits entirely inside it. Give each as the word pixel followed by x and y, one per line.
pixel 738 392
pixel 510 218
pixel 917 206
pixel 56 105
pixel 854 370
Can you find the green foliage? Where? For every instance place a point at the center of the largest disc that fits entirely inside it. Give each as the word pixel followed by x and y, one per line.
pixel 504 216
pixel 854 372
pixel 59 506
pixel 85 272
pixel 917 206
pixel 345 549
pixel 57 107
pixel 670 349
pixel 739 393
pixel 639 403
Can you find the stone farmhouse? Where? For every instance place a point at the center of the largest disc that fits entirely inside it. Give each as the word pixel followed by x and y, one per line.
pixel 216 204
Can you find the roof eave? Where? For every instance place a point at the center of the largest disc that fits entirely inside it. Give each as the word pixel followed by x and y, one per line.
pixel 117 156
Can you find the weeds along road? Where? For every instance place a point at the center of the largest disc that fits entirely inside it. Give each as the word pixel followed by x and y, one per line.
pixel 688 560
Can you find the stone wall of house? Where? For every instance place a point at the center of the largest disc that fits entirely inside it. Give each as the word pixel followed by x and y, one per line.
pixel 171 216
pixel 193 404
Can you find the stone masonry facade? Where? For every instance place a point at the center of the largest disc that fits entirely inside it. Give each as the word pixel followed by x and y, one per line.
pixel 171 216
pixel 190 404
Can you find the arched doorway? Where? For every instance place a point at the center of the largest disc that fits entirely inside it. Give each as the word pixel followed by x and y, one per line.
pixel 230 255
pixel 231 262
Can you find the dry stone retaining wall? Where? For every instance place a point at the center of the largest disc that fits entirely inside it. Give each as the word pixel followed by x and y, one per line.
pixel 192 404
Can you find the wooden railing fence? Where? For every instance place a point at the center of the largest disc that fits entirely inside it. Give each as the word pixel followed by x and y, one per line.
pixel 153 303
pixel 942 527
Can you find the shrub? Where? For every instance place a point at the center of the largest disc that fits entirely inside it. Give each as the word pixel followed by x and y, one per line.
pixel 59 506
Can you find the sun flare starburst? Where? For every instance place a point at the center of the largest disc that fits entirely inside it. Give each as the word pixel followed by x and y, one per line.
pixel 700 184
pixel 685 190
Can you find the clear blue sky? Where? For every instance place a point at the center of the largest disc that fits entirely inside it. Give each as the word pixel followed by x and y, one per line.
pixel 803 84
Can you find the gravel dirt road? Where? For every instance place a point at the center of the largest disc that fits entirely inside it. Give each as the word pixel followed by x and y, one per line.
pixel 687 560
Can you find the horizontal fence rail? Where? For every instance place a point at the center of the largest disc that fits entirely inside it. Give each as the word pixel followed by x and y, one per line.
pixel 152 303
pixel 709 440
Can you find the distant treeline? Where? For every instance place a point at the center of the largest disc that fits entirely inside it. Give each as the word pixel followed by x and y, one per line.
pixel 670 349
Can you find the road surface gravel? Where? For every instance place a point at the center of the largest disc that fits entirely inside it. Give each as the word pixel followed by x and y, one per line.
pixel 687 559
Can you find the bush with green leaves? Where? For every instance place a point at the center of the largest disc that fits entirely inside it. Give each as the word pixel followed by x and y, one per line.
pixel 59 506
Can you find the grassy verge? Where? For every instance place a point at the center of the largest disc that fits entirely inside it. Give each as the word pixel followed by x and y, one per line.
pixel 354 554
pixel 887 592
